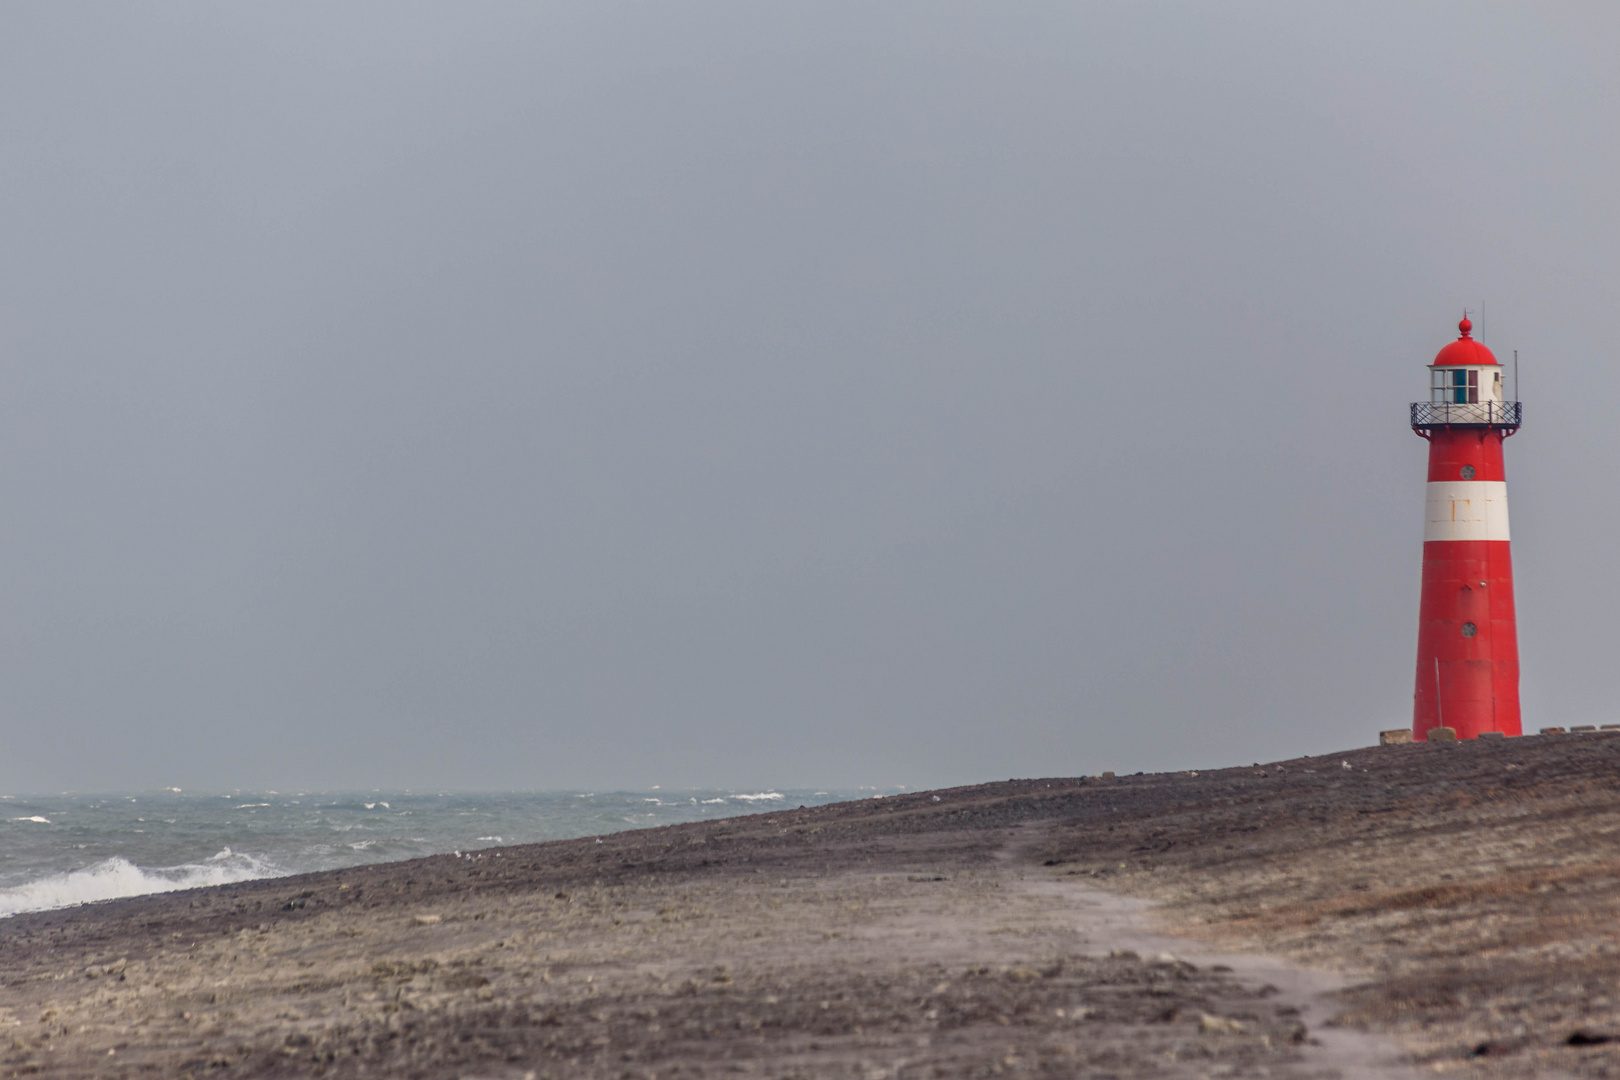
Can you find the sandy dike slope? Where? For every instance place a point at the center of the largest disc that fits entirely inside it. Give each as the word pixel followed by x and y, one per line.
pixel 1381 912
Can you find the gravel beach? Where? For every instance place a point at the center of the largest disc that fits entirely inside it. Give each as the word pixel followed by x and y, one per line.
pixel 1380 912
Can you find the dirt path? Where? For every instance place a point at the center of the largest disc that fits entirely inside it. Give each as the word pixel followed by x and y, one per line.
pixel 1108 922
pixel 1116 922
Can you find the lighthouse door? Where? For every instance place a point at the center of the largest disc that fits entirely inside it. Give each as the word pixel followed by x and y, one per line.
pixel 1465 696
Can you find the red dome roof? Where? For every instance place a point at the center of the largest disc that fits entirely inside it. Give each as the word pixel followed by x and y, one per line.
pixel 1465 350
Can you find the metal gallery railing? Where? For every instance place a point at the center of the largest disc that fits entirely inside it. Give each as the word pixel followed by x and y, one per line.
pixel 1432 414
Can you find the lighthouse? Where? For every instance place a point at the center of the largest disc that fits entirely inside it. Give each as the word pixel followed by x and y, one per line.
pixel 1468 645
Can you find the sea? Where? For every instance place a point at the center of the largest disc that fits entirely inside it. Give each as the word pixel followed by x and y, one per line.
pixel 62 850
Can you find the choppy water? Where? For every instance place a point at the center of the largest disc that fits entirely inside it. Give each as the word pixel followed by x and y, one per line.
pixel 72 849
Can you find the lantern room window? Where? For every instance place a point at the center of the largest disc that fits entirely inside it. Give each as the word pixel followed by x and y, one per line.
pixel 1454 386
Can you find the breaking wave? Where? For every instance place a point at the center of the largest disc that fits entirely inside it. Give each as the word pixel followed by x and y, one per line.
pixel 117 877
pixel 65 850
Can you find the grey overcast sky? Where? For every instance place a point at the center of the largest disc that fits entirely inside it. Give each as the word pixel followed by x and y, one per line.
pixel 522 395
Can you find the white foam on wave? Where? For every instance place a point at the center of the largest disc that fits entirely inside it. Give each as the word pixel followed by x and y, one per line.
pixel 761 796
pixel 36 817
pixel 117 877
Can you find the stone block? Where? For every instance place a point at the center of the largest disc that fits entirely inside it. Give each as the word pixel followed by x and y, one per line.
pixel 1552 731
pixel 1395 736
pixel 1441 734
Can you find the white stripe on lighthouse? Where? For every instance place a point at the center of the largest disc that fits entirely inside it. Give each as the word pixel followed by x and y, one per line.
pixel 1466 510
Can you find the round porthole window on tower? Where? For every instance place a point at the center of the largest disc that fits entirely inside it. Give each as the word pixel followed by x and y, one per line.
pixel 1467 472
pixel 1469 629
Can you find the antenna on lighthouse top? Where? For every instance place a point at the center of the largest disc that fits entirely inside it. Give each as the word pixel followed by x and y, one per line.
pixel 1516 376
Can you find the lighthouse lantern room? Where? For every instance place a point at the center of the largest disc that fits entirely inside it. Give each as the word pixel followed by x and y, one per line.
pixel 1468 649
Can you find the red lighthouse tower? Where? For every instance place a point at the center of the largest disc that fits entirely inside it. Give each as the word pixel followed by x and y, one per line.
pixel 1468 643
